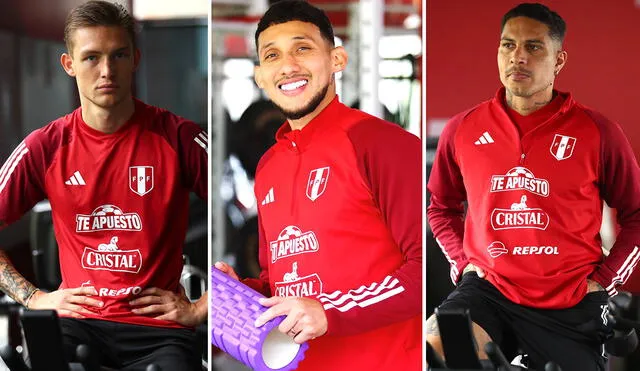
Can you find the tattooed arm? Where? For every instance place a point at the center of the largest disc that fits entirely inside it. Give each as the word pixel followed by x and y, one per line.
pixel 13 283
pixel 70 302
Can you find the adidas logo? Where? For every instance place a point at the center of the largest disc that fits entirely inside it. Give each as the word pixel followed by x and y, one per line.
pixel 485 138
pixel 76 179
pixel 269 198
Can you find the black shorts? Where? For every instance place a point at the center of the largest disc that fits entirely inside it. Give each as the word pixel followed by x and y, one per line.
pixel 571 337
pixel 131 347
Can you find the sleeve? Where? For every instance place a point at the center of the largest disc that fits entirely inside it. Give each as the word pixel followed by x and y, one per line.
pixel 193 151
pixel 389 159
pixel 446 209
pixel 620 187
pixel 22 179
pixel 261 284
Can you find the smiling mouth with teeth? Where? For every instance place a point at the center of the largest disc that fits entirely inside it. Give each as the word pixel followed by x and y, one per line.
pixel 293 85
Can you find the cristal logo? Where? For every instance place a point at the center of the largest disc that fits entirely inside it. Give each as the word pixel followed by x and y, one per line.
pixel 518 179
pixel 109 257
pixel 108 218
pixel 292 241
pixel 519 216
pixel 293 285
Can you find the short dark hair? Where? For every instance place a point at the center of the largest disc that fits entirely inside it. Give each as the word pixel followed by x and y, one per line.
pixel 98 13
pixel 541 13
pixel 295 10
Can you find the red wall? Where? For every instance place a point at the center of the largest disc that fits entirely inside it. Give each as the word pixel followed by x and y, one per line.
pixel 602 71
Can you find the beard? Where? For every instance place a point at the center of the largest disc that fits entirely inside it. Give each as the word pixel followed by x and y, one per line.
pixel 308 108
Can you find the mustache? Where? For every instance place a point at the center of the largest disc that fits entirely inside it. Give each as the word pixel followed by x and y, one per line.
pixel 295 76
pixel 513 70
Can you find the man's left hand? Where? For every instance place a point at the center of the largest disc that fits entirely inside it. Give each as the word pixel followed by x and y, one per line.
pixel 305 317
pixel 593 286
pixel 166 305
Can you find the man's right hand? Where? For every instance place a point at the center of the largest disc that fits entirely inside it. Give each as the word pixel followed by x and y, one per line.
pixel 226 268
pixel 66 302
pixel 472 268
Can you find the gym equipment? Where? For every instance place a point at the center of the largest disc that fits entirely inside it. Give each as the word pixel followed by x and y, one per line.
pixel 234 309
pixel 40 328
pixel 624 316
pixel 460 347
pixel 457 339
pixel 43 338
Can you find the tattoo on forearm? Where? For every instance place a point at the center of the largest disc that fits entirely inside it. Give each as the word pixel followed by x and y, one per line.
pixel 12 282
pixel 432 326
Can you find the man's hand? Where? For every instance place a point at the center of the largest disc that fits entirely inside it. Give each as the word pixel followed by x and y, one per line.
pixel 169 306
pixel 67 302
pixel 226 268
pixel 472 268
pixel 593 286
pixel 305 317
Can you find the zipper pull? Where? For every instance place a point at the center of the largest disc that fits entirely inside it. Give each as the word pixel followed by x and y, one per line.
pixel 522 156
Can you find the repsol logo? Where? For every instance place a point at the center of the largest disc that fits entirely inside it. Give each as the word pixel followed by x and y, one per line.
pixel 535 250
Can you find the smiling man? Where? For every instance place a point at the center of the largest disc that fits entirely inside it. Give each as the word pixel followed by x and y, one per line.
pixel 118 174
pixel 340 219
pixel 532 273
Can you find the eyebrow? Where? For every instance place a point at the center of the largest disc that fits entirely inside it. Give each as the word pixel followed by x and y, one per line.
pixel 529 41
pixel 90 51
pixel 301 37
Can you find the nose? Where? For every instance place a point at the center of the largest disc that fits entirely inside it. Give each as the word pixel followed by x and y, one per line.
pixel 107 67
pixel 519 55
pixel 289 64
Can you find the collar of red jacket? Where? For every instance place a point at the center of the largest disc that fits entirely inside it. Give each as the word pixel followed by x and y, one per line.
pixel 298 140
pixel 500 100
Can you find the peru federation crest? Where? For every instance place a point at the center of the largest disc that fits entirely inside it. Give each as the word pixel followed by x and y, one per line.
pixel 141 179
pixel 562 147
pixel 317 182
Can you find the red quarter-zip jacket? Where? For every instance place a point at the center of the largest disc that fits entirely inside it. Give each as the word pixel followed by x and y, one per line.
pixel 535 201
pixel 340 221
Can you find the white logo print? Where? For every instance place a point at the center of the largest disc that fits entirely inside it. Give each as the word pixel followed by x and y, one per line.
pixel 294 285
pixel 517 179
pixel 109 257
pixel 76 179
pixel 562 147
pixel 121 292
pixel 268 198
pixel 108 218
pixel 291 241
pixel 535 250
pixel 485 138
pixel 519 216
pixel 605 311
pixel 317 182
pixel 496 249
pixel 141 179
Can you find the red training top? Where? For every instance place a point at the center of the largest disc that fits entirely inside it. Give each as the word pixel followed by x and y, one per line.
pixel 119 201
pixel 340 221
pixel 535 201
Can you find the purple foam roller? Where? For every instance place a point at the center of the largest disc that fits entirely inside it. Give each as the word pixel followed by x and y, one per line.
pixel 234 309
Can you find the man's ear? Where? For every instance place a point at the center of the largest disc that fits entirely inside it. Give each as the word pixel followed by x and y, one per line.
pixel 339 59
pixel 561 60
pixel 67 64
